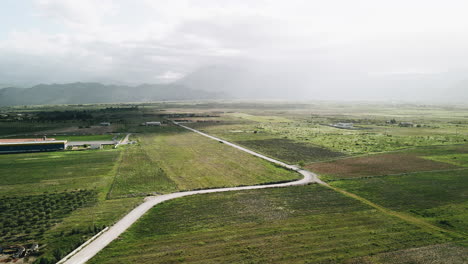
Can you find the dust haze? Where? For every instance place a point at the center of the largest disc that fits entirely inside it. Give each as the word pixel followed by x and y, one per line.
pixel 308 50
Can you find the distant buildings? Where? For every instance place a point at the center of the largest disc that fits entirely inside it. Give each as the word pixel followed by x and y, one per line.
pixel 95 146
pixel 31 145
pixel 105 124
pixel 152 123
pixel 344 125
pixel 406 124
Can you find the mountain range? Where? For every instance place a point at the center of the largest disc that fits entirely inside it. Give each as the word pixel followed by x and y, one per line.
pixel 87 93
pixel 231 82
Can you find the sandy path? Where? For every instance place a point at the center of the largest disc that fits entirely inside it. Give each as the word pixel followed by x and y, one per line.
pixel 92 248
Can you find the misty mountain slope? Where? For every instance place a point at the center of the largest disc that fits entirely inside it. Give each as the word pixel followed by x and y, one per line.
pixel 222 78
pixel 459 91
pixel 86 93
pixel 326 82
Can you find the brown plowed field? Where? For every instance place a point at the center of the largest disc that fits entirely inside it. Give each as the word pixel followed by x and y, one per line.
pixel 375 165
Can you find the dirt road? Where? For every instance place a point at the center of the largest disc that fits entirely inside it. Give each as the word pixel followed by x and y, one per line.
pixel 113 232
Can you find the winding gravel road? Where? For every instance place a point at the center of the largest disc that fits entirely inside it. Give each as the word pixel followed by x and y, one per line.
pixel 91 249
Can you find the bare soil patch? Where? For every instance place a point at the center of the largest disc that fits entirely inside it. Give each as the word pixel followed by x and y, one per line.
pixel 290 151
pixel 441 254
pixel 376 165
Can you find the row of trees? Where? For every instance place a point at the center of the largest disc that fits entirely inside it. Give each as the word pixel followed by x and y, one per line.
pixel 28 217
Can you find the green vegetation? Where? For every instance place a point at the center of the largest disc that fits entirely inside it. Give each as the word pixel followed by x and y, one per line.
pixel 17 127
pixel 374 130
pixel 362 141
pixel 437 197
pixel 175 159
pixel 284 225
pixel 26 218
pixel 455 159
pixel 140 174
pixel 51 212
pixel 260 118
pixel 83 223
pixel 55 171
pixel 378 160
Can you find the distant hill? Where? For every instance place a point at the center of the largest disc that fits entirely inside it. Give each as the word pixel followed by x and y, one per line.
pixel 86 93
pixel 327 83
pixel 457 92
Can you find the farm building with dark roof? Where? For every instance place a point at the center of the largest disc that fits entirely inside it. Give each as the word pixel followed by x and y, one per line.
pixel 31 145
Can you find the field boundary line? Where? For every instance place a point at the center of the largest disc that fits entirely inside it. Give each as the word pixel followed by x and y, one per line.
pixel 115 172
pixel 395 174
pixel 403 216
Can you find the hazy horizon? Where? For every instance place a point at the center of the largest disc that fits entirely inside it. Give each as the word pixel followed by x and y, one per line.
pixel 338 50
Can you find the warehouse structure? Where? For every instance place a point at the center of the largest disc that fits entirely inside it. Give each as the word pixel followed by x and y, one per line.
pixel 153 123
pixel 22 145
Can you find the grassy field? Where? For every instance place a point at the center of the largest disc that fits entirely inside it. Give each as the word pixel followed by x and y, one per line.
pixel 56 171
pixel 437 197
pixel 306 224
pixel 251 135
pixel 310 126
pixel 175 160
pixel 293 225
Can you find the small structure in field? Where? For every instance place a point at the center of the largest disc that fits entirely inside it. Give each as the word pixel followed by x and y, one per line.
pixel 95 146
pixel 153 123
pixel 406 124
pixel 344 125
pixel 20 253
pixel 105 124
pixel 34 247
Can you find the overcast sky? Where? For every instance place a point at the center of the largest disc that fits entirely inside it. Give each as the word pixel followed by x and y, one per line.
pixel 137 41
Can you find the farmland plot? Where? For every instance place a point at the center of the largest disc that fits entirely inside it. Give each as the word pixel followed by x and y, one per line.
pixel 310 224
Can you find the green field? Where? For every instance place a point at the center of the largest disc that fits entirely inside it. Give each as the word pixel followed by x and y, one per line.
pixel 56 171
pixel 408 183
pixel 437 197
pixel 306 224
pixel 45 202
pixel 310 127
pixel 176 160
pixel 29 217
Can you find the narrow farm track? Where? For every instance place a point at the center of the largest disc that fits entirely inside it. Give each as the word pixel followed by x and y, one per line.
pixel 99 243
pixel 93 247
pixel 405 217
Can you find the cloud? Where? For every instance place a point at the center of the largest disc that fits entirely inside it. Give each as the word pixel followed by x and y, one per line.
pixel 158 41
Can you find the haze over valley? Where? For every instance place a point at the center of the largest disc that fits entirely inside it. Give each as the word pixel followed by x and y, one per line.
pixel 233 131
